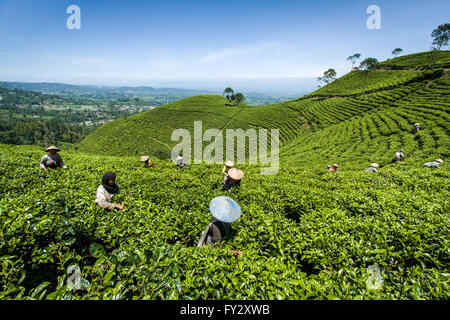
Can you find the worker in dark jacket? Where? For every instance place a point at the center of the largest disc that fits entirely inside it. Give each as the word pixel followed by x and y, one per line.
pixel 373 168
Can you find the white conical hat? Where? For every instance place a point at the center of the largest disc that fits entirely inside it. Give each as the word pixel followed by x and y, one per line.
pixel 229 163
pixel 375 165
pixel 144 158
pixel 440 160
pixel 53 148
pixel 335 165
pixel 179 158
pixel 236 174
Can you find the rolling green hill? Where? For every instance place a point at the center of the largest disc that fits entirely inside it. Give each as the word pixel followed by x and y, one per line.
pixel 304 233
pixel 334 123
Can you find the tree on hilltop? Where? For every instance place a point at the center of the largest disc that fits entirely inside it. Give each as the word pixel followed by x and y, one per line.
pixel 228 93
pixel 353 58
pixel 440 39
pixel 238 98
pixel 396 52
pixel 328 76
pixel 366 66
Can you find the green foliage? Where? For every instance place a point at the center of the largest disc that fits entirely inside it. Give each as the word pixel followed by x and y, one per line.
pixel 304 233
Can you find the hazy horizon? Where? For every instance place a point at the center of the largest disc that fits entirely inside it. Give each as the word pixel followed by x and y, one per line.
pixel 269 45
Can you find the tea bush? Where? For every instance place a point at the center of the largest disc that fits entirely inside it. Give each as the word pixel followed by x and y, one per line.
pixel 304 233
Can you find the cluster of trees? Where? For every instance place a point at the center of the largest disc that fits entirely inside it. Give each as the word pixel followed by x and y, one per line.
pixel 41 133
pixel 233 98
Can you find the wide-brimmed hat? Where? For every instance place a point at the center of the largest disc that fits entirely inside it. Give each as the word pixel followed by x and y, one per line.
pixel 440 160
pixel 53 148
pixel 236 174
pixel 229 163
pixel 375 165
pixel 335 165
pixel 144 158
pixel 179 158
pixel 224 209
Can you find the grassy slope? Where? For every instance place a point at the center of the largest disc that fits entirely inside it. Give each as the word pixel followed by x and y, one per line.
pixel 305 233
pixel 150 132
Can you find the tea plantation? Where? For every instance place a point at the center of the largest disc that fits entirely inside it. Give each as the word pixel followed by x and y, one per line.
pixel 304 233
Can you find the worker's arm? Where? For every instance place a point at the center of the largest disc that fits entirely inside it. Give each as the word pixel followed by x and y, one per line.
pixel 103 201
pixel 42 163
pixel 60 161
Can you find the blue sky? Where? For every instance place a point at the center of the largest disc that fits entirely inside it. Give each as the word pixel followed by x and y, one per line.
pixel 147 42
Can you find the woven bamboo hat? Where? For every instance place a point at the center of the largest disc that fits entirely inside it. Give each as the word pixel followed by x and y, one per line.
pixel 179 158
pixel 440 160
pixel 53 148
pixel 236 174
pixel 375 165
pixel 229 163
pixel 144 158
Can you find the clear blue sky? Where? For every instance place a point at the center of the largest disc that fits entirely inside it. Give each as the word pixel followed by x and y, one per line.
pixel 136 42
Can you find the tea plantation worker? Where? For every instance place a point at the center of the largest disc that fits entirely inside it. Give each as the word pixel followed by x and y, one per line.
pixel 224 211
pixel 106 191
pixel 180 162
pixel 335 167
pixel 434 164
pixel 228 165
pixel 400 155
pixel 147 162
pixel 416 127
pixel 232 179
pixel 52 160
pixel 328 168
pixel 373 168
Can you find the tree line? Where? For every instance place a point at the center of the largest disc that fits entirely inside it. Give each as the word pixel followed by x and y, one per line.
pixel 440 37
pixel 41 133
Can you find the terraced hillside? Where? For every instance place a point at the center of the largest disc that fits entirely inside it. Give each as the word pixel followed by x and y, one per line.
pixel 304 233
pixel 392 102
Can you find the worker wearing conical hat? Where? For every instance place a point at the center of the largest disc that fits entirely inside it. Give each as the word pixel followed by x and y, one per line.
pixel 147 162
pixel 400 155
pixel 52 160
pixel 373 168
pixel 416 127
pixel 434 164
pixel 180 162
pixel 232 179
pixel 228 165
pixel 335 167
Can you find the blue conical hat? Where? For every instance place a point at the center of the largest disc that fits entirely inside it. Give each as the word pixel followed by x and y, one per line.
pixel 224 209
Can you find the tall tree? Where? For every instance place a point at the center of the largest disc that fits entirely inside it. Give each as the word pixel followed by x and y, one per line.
pixel 397 51
pixel 440 39
pixel 228 93
pixel 328 76
pixel 238 98
pixel 366 66
pixel 353 58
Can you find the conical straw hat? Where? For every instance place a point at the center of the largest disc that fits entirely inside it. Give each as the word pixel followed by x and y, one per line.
pixel 229 163
pixel 144 158
pixel 179 158
pixel 236 174
pixel 53 148
pixel 375 165
pixel 440 160
pixel 224 209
